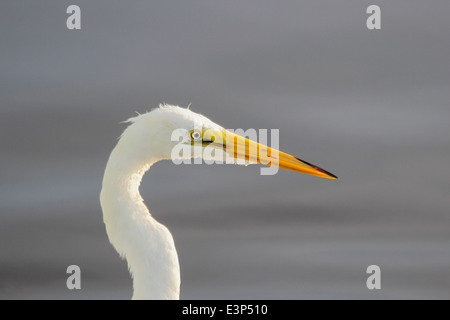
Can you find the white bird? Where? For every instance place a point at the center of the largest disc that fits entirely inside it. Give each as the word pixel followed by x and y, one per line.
pixel 147 245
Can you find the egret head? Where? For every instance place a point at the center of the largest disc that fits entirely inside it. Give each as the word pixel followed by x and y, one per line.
pixel 167 130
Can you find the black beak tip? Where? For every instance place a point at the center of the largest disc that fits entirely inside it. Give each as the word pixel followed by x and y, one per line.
pixel 318 168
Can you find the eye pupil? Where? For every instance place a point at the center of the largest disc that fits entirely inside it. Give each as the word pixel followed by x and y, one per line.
pixel 196 135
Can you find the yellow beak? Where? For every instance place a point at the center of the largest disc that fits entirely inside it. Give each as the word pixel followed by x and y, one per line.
pixel 243 148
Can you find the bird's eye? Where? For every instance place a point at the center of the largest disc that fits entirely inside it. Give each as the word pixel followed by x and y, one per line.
pixel 196 135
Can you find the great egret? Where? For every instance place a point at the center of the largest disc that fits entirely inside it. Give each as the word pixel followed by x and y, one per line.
pixel 147 245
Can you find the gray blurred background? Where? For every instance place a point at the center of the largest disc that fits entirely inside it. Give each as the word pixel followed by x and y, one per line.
pixel 370 106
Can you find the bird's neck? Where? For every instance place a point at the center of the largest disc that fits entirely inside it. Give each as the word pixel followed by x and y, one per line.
pixel 147 245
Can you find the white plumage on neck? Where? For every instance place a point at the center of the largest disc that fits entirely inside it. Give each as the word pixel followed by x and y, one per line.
pixel 147 245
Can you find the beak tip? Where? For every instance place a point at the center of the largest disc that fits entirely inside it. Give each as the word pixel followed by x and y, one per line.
pixel 325 173
pixel 329 175
pixel 334 177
